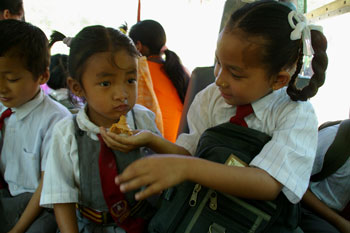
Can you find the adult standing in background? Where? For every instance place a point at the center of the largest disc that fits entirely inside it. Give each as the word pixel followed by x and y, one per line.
pixel 11 9
pixel 169 76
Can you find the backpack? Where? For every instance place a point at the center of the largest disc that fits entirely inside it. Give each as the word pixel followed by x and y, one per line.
pixel 190 207
pixel 336 155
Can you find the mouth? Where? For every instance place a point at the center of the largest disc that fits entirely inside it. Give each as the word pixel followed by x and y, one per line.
pixel 121 108
pixel 225 96
pixel 4 99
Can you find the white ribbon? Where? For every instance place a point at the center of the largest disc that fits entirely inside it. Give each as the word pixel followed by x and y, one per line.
pixel 302 31
pixel 67 41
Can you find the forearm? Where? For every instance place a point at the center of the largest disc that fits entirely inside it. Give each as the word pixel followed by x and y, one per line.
pixel 321 209
pixel 246 182
pixel 163 146
pixel 31 211
pixel 66 217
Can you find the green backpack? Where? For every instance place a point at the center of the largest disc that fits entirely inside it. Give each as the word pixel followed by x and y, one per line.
pixel 190 207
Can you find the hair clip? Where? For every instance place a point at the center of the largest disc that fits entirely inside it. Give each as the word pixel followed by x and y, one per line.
pixel 67 41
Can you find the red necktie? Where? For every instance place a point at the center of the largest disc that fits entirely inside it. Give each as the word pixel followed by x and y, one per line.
pixel 117 205
pixel 241 112
pixel 4 115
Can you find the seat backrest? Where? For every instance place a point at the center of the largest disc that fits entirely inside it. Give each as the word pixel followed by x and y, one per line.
pixel 200 78
pixel 338 152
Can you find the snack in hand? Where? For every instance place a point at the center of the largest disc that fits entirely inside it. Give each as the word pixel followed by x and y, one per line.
pixel 121 127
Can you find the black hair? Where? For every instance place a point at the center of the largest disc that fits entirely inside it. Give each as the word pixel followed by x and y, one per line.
pixel 58 71
pixel 269 20
pixel 14 6
pixel 89 41
pixel 151 34
pixel 27 42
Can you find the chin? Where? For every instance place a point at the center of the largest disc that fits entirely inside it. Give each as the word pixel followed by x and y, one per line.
pixel 230 102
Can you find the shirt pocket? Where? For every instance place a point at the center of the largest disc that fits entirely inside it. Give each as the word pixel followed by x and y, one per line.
pixel 29 169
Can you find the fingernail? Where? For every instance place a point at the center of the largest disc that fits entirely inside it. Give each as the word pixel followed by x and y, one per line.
pixel 122 188
pixel 137 196
pixel 116 180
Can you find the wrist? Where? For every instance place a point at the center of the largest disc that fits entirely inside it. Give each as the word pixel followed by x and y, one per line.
pixel 151 139
pixel 189 169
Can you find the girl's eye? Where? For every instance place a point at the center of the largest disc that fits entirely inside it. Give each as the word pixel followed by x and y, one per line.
pixel 236 76
pixel 132 80
pixel 105 84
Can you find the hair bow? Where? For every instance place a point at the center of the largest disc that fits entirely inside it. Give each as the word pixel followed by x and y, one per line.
pixel 302 30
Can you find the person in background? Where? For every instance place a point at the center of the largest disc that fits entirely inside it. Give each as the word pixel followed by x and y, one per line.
pixel 58 80
pixel 27 119
pixel 324 200
pixel 11 9
pixel 169 76
pixel 81 168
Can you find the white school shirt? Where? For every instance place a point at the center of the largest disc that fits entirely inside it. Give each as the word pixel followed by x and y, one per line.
pixel 60 94
pixel 334 190
pixel 62 180
pixel 288 156
pixel 26 140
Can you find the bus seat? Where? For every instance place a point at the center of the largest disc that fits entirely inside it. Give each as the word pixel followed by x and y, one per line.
pixel 200 78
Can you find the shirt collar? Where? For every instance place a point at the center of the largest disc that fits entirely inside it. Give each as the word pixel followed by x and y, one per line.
pixel 60 94
pixel 260 105
pixel 25 109
pixel 84 122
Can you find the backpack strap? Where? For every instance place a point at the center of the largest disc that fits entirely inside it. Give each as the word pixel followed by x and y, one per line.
pixel 337 153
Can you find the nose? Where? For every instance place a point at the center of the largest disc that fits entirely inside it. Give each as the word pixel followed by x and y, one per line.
pixel 219 78
pixel 3 86
pixel 120 93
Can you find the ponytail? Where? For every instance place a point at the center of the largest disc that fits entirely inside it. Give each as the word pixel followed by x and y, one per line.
pixel 56 36
pixel 176 72
pixel 319 65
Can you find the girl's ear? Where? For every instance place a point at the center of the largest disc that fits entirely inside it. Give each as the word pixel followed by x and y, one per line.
pixel 138 46
pixel 282 79
pixel 143 49
pixel 6 14
pixel 75 87
pixel 43 78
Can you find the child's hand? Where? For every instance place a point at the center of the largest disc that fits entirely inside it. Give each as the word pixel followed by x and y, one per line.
pixel 156 173
pixel 125 143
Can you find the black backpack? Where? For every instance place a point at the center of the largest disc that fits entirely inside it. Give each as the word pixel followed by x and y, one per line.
pixel 190 207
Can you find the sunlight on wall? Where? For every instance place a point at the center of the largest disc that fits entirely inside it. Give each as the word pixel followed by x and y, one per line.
pixel 192 26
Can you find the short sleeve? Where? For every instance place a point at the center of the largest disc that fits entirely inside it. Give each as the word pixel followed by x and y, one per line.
pixel 289 155
pixel 60 184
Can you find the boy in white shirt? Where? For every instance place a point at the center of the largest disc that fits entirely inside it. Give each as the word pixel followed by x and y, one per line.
pixel 28 117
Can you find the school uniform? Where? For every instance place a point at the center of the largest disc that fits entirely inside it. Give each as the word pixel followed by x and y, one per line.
pixel 62 96
pixel 334 190
pixel 70 179
pixel 288 156
pixel 25 140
